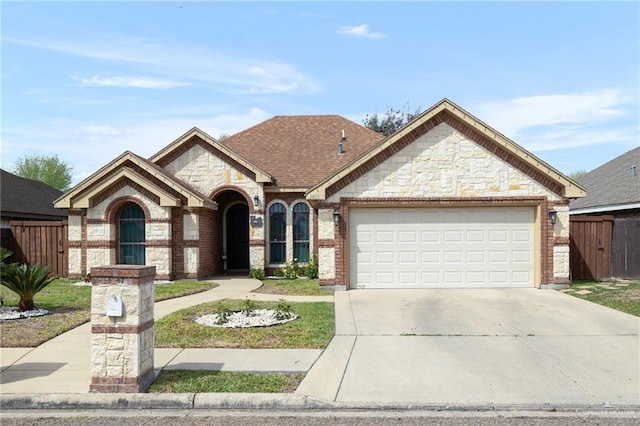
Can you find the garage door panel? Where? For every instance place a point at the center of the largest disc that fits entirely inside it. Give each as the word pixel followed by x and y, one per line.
pixel 453 257
pixel 384 237
pixel 476 278
pixel 447 247
pixel 498 257
pixel 476 256
pixel 385 257
pixel 364 236
pixel 521 256
pixel 430 236
pixel 408 237
pixel 408 258
pixel 432 257
pixel 453 278
pixel 476 236
pixel 408 278
pixel 496 236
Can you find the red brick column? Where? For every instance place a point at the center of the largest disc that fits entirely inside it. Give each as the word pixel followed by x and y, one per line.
pixel 122 336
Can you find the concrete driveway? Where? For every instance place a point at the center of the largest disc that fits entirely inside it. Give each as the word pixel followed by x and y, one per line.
pixel 477 347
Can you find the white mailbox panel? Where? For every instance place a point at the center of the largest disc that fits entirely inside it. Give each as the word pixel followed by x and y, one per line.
pixel 114 306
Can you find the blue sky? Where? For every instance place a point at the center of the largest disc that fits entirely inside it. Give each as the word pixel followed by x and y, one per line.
pixel 90 80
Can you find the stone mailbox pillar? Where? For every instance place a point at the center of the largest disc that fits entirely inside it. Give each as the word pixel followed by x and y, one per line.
pixel 122 336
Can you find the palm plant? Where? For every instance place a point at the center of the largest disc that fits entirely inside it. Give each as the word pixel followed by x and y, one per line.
pixel 26 281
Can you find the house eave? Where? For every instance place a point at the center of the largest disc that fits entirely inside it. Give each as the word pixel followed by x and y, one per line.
pixel 605 209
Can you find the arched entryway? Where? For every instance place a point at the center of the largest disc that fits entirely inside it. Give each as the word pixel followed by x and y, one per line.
pixel 231 230
pixel 237 236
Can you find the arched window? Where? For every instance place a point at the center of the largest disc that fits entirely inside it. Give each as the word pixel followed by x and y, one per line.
pixel 301 232
pixel 131 235
pixel 277 233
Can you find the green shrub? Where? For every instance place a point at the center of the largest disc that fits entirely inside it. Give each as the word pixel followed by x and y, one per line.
pixel 291 269
pixel 26 281
pixel 311 270
pixel 283 310
pixel 248 307
pixel 223 313
pixel 257 273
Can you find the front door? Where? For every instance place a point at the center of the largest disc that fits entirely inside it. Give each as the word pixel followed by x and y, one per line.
pixel 238 237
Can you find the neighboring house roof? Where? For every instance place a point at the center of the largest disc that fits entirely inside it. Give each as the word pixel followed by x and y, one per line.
pixel 170 191
pixel 612 186
pixel 22 198
pixel 449 112
pixel 302 150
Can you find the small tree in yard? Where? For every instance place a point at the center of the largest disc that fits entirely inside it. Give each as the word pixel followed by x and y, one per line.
pixel 26 281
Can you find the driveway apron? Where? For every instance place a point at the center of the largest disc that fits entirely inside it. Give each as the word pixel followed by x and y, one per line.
pixel 477 347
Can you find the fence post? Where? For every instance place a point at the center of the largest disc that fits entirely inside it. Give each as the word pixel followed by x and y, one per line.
pixel 122 335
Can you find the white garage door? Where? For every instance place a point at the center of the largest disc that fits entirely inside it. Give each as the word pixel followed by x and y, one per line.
pixel 441 247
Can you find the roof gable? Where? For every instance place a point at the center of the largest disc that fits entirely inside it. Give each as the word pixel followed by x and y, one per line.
pixel 302 150
pixel 170 191
pixel 448 112
pixel 612 184
pixel 176 147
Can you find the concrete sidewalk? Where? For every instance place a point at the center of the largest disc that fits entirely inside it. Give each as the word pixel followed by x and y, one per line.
pixel 63 365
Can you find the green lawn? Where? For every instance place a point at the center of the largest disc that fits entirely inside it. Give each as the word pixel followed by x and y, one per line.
pixel 69 306
pixel 297 287
pixel 314 328
pixel 622 298
pixel 192 381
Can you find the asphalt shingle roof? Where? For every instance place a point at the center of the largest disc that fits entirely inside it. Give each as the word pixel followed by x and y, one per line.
pixel 300 151
pixel 28 199
pixel 612 183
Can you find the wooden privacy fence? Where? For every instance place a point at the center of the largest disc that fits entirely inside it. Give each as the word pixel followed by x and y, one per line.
pixel 41 242
pixel 590 245
pixel 626 248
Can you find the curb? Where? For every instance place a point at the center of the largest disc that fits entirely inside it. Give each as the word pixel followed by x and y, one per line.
pixel 264 401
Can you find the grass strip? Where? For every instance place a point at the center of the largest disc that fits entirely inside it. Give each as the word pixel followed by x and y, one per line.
pixel 69 306
pixel 314 328
pixel 297 287
pixel 199 381
pixel 621 298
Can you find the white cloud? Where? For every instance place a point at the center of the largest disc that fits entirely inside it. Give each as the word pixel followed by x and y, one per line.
pixel 138 82
pixel 360 31
pixel 558 121
pixel 87 147
pixel 224 72
pixel 515 115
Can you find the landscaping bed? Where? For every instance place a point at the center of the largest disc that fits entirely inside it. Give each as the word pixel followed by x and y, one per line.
pixel 313 329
